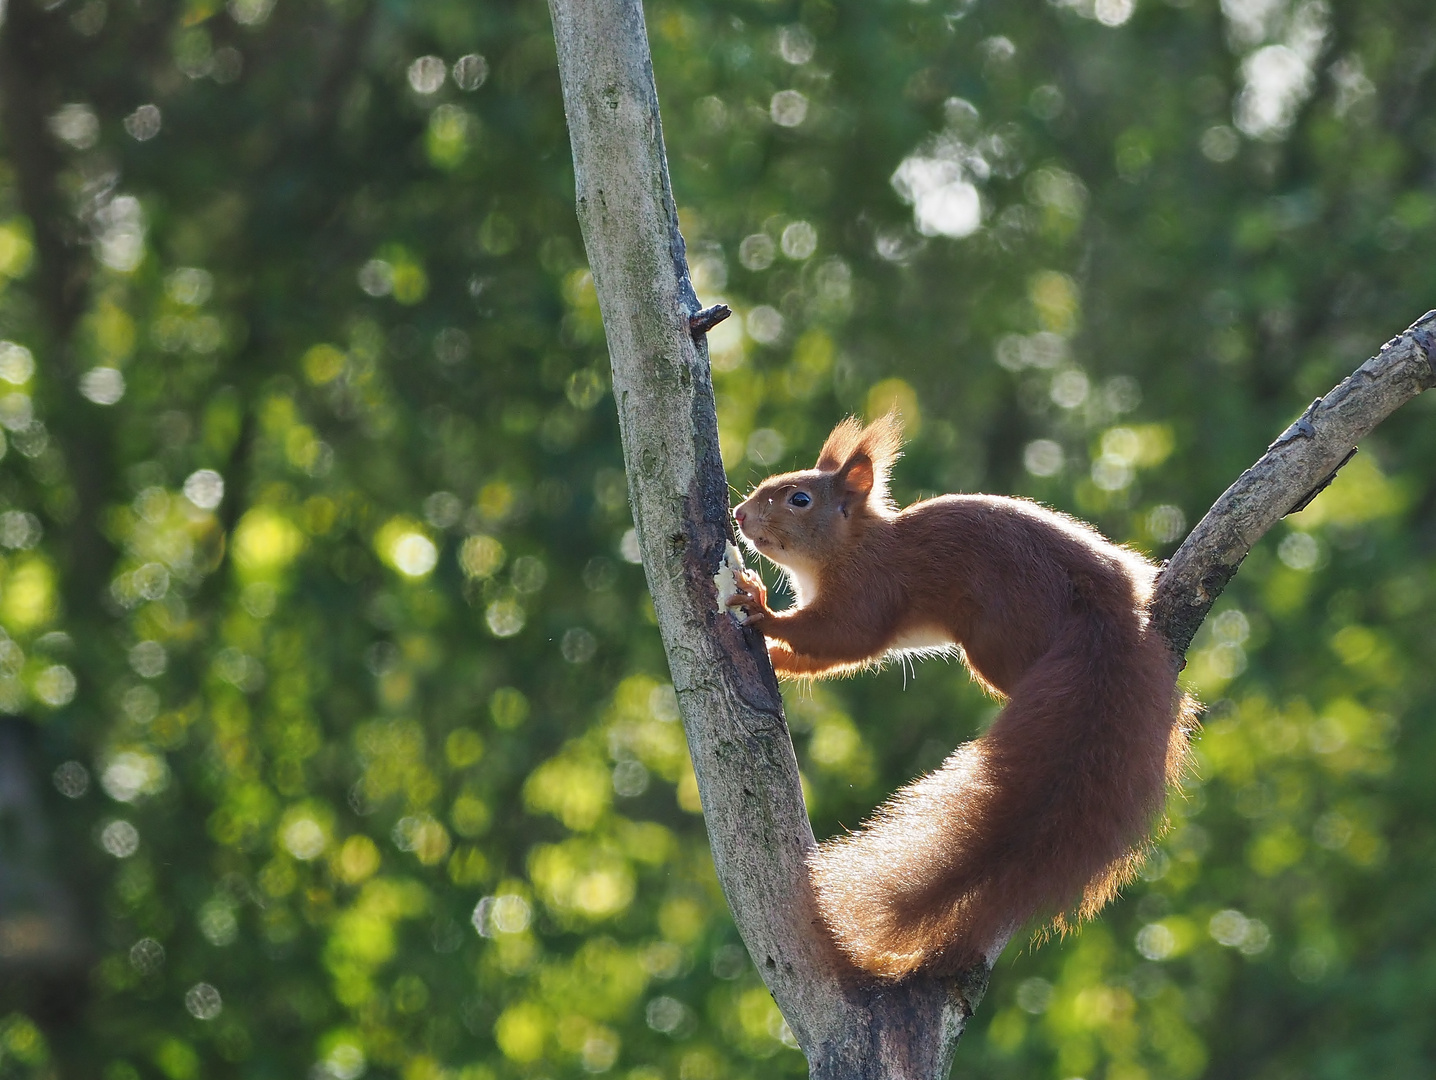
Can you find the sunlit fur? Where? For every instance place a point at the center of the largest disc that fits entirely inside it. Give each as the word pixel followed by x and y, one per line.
pixel 1047 814
pixel 879 442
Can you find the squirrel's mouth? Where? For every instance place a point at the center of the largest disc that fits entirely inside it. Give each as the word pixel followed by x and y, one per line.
pixel 757 540
pixel 764 545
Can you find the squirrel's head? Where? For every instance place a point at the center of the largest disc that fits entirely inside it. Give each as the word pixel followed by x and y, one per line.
pixel 801 520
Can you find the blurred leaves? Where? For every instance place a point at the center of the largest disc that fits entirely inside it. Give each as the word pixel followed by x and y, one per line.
pixel 318 587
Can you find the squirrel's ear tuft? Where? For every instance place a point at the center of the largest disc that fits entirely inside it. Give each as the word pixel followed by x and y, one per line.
pixel 871 450
pixel 840 444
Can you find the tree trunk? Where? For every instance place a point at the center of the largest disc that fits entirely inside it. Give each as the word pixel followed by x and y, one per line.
pixel 848 1024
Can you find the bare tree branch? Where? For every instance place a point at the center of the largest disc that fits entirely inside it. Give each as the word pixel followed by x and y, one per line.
pixel 1301 461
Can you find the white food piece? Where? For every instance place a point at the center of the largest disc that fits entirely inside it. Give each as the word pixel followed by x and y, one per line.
pixel 726 581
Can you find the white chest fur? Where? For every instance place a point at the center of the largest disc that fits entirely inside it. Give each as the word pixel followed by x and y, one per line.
pixel 804 585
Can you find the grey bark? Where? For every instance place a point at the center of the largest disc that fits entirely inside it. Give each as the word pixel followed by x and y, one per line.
pixel 742 753
pixel 849 1025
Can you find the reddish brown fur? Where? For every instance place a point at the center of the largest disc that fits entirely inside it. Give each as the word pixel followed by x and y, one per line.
pixel 1044 816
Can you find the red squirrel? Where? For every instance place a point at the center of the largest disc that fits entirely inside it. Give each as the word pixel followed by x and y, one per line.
pixel 1047 814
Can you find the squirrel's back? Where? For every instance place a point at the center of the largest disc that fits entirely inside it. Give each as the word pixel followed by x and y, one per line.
pixel 1003 574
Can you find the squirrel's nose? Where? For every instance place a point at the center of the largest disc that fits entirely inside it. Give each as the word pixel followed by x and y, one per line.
pixel 739 515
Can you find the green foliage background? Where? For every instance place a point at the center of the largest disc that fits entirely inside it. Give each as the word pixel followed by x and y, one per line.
pixel 368 764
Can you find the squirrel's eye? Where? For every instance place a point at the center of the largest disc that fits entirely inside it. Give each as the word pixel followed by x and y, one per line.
pixel 800 498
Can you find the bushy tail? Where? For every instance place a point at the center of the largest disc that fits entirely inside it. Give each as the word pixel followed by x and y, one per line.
pixel 1044 816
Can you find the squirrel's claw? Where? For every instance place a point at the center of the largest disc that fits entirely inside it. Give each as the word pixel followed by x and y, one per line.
pixel 749 598
pixel 753 585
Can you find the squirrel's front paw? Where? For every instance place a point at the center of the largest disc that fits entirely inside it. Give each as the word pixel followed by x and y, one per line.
pixel 749 598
